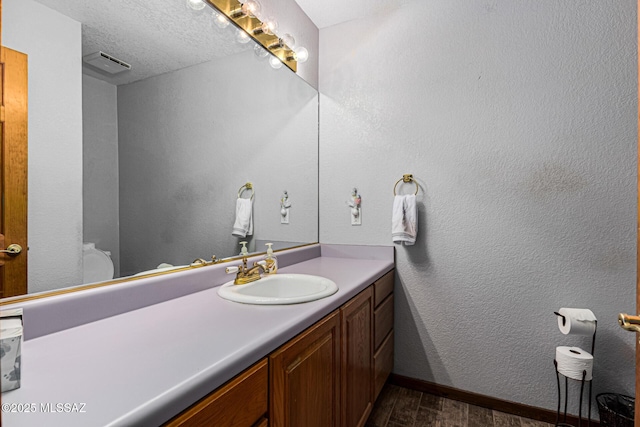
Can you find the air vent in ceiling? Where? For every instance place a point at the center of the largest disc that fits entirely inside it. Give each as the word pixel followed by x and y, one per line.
pixel 106 63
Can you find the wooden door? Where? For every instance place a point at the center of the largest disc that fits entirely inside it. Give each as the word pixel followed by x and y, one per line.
pixel 357 359
pixel 13 173
pixel 305 378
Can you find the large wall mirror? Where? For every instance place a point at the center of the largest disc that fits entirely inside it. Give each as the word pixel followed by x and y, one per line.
pixel 147 164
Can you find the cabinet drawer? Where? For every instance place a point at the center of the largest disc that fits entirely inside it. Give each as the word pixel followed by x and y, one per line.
pixel 241 402
pixel 383 287
pixel 383 320
pixel 383 364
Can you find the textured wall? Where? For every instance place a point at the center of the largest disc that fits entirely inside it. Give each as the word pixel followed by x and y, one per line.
pixel 185 151
pixel 518 118
pixel 100 167
pixel 55 140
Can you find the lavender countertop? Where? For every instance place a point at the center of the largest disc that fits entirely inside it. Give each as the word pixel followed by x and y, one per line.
pixel 142 367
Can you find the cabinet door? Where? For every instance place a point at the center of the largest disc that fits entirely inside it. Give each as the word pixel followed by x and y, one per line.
pixel 305 378
pixel 357 359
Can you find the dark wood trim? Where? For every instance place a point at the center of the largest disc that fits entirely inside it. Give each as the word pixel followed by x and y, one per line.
pixel 493 403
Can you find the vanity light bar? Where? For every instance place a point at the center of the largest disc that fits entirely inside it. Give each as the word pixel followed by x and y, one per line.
pixel 253 27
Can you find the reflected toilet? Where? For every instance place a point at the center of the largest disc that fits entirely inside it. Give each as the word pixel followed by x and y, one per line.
pixel 97 265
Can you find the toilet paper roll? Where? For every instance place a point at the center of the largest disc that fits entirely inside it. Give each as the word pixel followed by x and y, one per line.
pixel 577 321
pixel 572 361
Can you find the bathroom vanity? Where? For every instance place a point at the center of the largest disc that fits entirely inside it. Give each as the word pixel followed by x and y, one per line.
pixel 326 376
pixel 192 358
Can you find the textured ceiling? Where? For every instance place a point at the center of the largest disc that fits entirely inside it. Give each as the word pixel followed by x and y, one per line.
pixel 325 13
pixel 154 37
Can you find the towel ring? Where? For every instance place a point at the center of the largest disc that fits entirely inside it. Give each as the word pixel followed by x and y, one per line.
pixel 406 178
pixel 247 186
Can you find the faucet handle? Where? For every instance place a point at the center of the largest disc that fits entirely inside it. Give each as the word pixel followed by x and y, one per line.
pixel 262 263
pixel 231 270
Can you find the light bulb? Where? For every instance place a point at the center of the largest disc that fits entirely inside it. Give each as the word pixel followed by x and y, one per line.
pixel 196 4
pixel 251 8
pixel 220 20
pixel 268 27
pixel 288 40
pixel 275 62
pixel 242 37
pixel 302 54
pixel 260 51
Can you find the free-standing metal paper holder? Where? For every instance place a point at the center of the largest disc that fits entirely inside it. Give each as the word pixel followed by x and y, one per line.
pixel 566 387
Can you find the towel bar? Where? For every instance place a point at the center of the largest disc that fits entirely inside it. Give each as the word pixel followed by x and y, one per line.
pixel 406 178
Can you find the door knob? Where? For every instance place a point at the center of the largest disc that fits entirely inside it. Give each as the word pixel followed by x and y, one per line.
pixel 12 250
pixel 629 323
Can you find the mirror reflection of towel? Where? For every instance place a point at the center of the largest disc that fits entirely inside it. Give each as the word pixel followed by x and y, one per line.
pixel 244 218
pixel 404 219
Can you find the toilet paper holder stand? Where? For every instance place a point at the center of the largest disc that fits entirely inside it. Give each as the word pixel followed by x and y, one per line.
pixel 566 387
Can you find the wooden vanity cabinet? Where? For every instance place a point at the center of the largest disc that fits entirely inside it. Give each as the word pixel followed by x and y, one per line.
pixel 305 378
pixel 331 374
pixel 242 402
pixel 357 359
pixel 328 376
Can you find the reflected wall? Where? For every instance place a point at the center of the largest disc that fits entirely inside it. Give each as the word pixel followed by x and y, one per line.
pixel 153 177
pixel 188 140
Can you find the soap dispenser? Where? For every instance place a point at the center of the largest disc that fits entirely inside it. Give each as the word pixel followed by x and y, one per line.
pixel 244 251
pixel 271 260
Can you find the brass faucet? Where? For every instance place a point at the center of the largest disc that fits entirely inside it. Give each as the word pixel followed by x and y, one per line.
pixel 247 275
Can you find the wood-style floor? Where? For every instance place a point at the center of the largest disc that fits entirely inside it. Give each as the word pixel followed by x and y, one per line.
pixel 401 407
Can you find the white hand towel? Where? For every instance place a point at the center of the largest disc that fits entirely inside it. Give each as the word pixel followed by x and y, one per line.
pixel 404 220
pixel 244 218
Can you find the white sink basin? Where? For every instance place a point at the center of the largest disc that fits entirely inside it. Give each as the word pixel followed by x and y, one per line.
pixel 280 289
